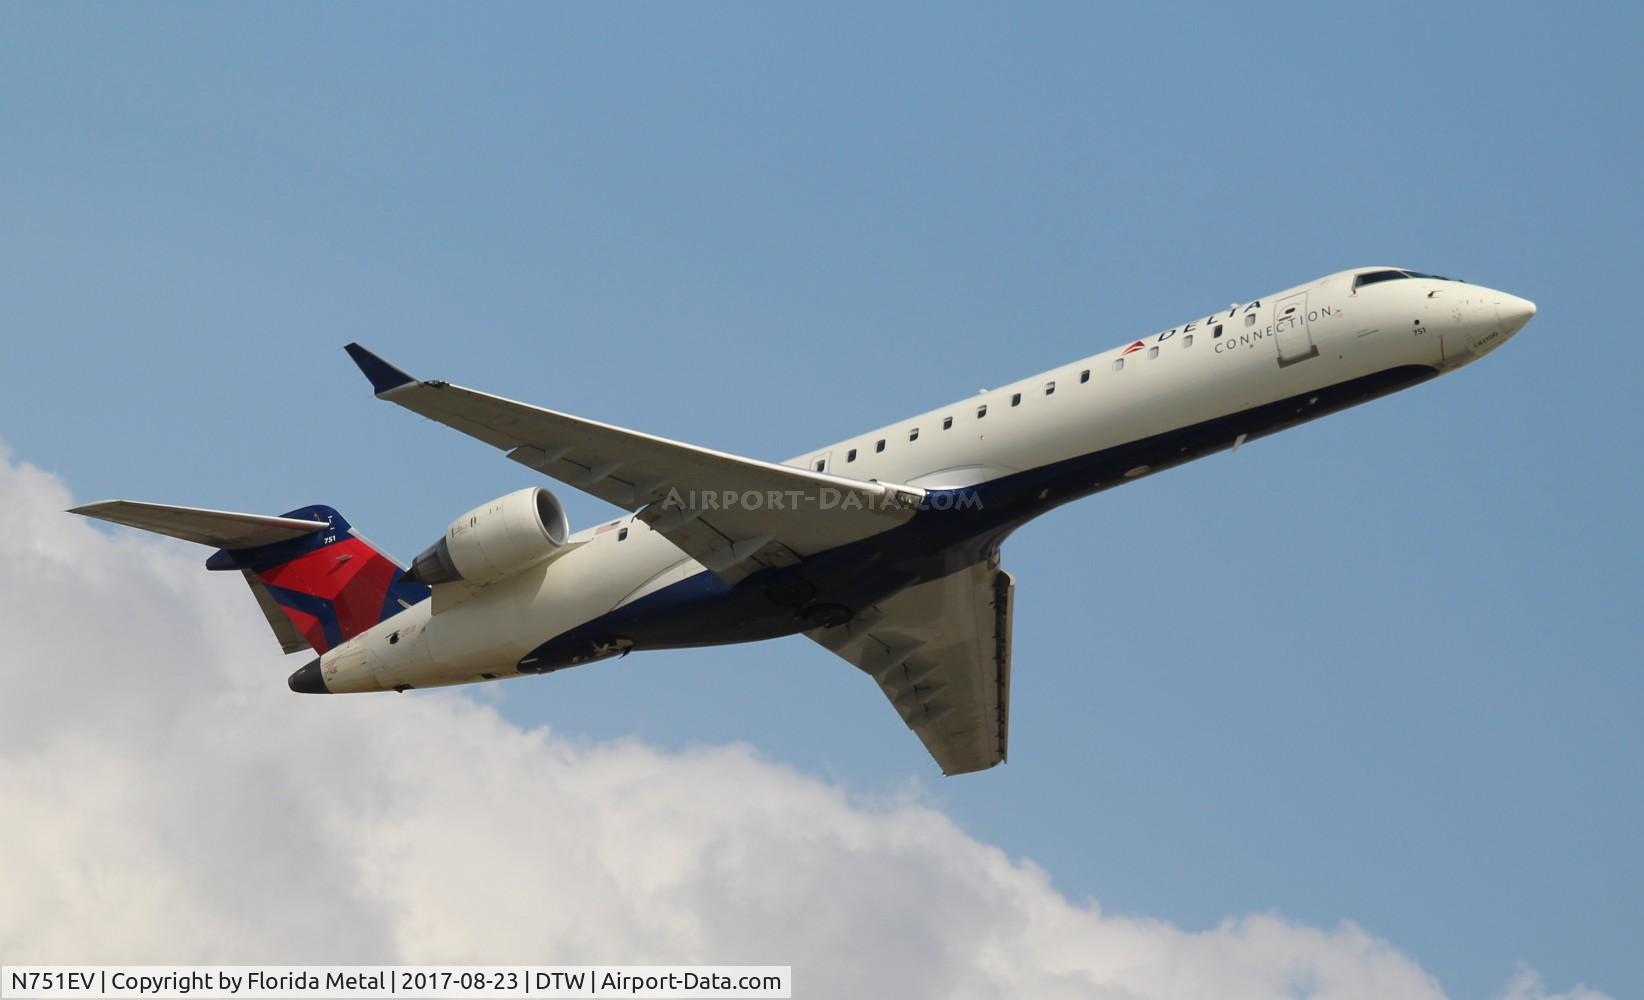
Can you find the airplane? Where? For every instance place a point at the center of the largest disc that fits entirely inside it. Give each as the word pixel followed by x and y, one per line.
pixel 882 548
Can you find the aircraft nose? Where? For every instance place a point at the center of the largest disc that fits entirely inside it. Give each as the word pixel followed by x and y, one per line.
pixel 1488 318
pixel 1514 312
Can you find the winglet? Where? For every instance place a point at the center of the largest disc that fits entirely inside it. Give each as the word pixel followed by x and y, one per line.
pixel 384 376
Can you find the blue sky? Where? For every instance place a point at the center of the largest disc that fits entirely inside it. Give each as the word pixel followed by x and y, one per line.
pixel 1382 668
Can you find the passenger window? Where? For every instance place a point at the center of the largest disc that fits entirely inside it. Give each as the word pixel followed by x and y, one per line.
pixel 1216 332
pixel 850 456
pixel 1050 387
pixel 1084 376
pixel 1249 319
pixel 1118 364
pixel 947 422
pixel 880 446
pixel 1153 352
pixel 1016 399
pixel 821 463
pixel 913 435
pixel 622 534
pixel 981 411
pixel 1187 339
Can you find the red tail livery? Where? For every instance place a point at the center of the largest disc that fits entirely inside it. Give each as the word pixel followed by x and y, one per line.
pixel 329 584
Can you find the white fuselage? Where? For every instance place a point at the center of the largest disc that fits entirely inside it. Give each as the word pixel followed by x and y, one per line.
pixel 1286 346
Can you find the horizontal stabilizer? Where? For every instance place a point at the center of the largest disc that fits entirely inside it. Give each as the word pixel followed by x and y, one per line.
pixel 221 528
pixel 317 582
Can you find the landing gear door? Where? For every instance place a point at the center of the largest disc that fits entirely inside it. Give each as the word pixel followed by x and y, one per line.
pixel 1291 330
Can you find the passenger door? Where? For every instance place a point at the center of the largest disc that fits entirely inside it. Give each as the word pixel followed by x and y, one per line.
pixel 1291 331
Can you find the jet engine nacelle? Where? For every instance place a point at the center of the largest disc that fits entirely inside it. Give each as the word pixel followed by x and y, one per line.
pixel 496 540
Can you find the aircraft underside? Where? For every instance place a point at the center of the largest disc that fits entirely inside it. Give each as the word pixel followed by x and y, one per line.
pixel 956 531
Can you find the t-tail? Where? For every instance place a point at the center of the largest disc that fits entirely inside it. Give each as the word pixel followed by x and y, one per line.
pixel 318 583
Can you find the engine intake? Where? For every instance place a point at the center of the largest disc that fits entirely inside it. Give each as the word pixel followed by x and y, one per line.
pixel 496 540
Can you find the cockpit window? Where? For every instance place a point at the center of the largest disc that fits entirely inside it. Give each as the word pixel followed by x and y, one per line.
pixel 1376 277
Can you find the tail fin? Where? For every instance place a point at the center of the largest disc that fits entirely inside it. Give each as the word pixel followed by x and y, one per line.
pixel 318 583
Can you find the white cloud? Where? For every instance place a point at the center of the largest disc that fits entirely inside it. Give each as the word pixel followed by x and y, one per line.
pixel 1526 985
pixel 163 798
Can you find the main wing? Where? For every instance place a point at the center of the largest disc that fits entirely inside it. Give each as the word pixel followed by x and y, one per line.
pixel 941 653
pixel 734 515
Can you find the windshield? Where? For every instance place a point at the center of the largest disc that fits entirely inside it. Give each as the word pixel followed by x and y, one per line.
pixel 1377 277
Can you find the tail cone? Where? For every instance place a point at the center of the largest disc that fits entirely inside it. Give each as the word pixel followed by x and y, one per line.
pixel 306 679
